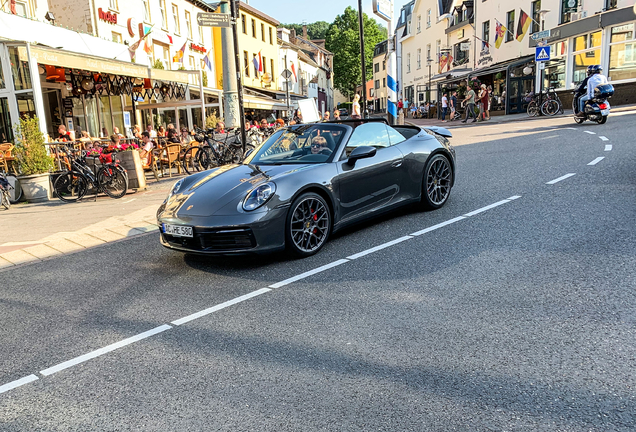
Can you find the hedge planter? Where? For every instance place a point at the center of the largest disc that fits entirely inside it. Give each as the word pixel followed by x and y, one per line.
pixel 132 162
pixel 36 188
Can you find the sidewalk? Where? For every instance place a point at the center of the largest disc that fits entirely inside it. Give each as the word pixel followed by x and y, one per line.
pixel 501 118
pixel 36 232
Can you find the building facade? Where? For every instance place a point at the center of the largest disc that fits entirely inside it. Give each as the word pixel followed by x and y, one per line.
pixel 490 41
pixel 379 77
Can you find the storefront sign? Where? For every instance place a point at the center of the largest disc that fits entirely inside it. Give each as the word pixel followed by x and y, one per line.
pixel 132 26
pixel 464 46
pixel 570 6
pixel 198 48
pixel 383 9
pixel 107 16
pixel 484 60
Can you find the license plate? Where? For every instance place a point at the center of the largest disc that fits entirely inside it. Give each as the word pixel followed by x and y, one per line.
pixel 177 230
pixel 605 112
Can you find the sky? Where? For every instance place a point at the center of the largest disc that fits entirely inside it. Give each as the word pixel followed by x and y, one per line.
pixel 297 11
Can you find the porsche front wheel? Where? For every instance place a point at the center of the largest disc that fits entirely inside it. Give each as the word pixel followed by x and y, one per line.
pixel 308 225
pixel 438 178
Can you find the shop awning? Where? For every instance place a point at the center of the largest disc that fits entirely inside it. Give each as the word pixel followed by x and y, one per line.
pixel 501 66
pixel 455 73
pixel 256 102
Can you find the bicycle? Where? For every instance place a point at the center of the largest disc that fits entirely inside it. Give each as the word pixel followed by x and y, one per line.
pixel 5 191
pixel 211 152
pixel 553 104
pixel 73 184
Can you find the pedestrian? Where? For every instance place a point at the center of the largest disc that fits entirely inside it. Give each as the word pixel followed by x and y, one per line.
pixel 470 105
pixel 453 102
pixel 336 115
pixel 406 107
pixel 489 101
pixel 355 108
pixel 327 116
pixel 444 107
pixel 151 132
pixel 400 105
pixel 483 103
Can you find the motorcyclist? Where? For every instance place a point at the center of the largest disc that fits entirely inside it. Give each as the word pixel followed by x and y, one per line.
pixel 594 79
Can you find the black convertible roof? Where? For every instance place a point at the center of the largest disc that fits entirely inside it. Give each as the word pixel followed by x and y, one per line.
pixel 357 122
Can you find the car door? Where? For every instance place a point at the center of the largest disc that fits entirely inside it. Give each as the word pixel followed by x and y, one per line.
pixel 372 183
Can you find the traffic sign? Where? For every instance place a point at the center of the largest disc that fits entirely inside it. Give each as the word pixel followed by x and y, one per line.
pixel 205 19
pixel 542 54
pixel 383 9
pixel 540 35
pixel 286 74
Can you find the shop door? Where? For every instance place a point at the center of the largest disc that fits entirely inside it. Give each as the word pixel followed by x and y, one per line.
pixel 518 88
pixel 51 99
pixel 6 134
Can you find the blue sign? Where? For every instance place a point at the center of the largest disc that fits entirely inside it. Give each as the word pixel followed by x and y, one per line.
pixel 542 54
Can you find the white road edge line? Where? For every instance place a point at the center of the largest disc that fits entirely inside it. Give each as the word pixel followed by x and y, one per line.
pixel 379 247
pixel 488 207
pixel 309 273
pixel 608 147
pixel 597 160
pixel 104 350
pixel 17 383
pixel 220 306
pixel 590 132
pixel 439 225
pixel 556 180
pixel 604 138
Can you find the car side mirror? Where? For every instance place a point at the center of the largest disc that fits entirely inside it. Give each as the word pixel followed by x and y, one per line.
pixel 361 152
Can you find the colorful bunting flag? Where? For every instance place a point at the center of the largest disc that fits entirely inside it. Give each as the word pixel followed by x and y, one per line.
pixel 207 61
pixel 255 63
pixel 500 33
pixel 133 48
pixel 260 63
pixel 522 27
pixel 293 68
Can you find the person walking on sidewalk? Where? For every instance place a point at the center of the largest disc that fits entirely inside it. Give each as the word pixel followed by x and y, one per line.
pixel 483 103
pixel 355 107
pixel 470 105
pixel 444 107
pixel 453 105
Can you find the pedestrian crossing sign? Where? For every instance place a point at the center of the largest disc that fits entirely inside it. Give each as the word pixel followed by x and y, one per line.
pixel 542 54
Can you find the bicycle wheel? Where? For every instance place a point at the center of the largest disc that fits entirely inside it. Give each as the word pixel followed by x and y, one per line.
pixel 233 155
pixel 533 109
pixel 6 203
pixel 70 186
pixel 196 159
pixel 113 181
pixel 550 108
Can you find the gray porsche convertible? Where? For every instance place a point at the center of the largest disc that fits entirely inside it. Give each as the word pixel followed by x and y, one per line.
pixel 306 182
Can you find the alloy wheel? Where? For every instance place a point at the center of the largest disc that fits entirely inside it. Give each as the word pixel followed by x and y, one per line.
pixel 438 181
pixel 309 225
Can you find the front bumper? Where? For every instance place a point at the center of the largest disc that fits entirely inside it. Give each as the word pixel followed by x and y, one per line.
pixel 228 235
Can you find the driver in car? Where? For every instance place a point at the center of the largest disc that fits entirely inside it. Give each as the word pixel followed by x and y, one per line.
pixel 319 146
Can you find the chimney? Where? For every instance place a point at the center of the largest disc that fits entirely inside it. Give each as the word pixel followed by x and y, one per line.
pixel 305 32
pixel 293 34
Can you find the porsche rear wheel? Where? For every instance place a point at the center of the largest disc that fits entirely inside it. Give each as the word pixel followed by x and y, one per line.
pixel 438 178
pixel 308 225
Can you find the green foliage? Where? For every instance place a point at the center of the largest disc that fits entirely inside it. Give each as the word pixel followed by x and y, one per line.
pixel 317 30
pixel 205 79
pixel 181 68
pixel 158 64
pixel 30 151
pixel 343 41
pixel 212 120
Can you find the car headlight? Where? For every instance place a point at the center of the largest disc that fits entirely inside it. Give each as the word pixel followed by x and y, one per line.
pixel 175 188
pixel 259 196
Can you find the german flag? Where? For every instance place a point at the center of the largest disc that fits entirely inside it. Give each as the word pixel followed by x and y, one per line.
pixel 522 27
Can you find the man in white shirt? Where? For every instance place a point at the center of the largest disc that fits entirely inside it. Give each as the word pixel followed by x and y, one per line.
pixel 151 131
pixel 596 78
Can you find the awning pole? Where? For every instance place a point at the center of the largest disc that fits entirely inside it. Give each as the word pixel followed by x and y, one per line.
pixel 202 99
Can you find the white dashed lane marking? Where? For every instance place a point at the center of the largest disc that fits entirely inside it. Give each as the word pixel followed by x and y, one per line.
pixel 590 132
pixel 597 160
pixel 556 180
pixel 603 138
pixel 17 383
pixel 608 147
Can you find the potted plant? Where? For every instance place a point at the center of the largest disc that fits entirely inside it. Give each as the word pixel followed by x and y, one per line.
pixel 33 160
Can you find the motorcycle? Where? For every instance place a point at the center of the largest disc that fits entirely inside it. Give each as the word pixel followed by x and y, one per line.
pixel 596 109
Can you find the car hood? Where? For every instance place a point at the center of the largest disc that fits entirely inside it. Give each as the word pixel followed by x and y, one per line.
pixel 220 191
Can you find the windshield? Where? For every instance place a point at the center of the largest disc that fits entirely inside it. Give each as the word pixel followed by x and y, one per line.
pixel 306 144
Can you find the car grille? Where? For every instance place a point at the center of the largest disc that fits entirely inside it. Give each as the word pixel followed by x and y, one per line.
pixel 206 239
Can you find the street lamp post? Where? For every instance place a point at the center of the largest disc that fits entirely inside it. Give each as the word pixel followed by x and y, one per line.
pixel 541 65
pixel 363 96
pixel 429 62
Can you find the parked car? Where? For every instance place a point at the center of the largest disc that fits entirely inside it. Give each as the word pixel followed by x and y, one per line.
pixel 306 182
pixel 344 112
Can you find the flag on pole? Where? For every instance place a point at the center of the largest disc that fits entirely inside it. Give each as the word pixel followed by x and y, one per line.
pixel 500 32
pixel 178 57
pixel 522 27
pixel 147 46
pixel 255 63
pixel 293 68
pixel 207 61
pixel 133 48
pixel 260 63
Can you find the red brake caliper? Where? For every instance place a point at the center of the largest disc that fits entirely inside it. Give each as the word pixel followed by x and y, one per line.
pixel 315 219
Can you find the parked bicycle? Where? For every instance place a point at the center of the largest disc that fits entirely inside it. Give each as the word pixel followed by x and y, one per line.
pixel 546 103
pixel 5 191
pixel 214 150
pixel 74 183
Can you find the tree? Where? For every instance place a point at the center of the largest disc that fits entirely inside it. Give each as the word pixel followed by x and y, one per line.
pixel 317 30
pixel 343 41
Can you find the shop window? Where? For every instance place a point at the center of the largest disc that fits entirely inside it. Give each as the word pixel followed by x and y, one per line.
pixel 26 105
pixel 554 74
pixel 6 132
pixel 117 37
pixel 20 68
pixel 587 52
pixel 536 7
pixel 622 64
pixel 611 4
pixel 175 18
pixel 510 20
